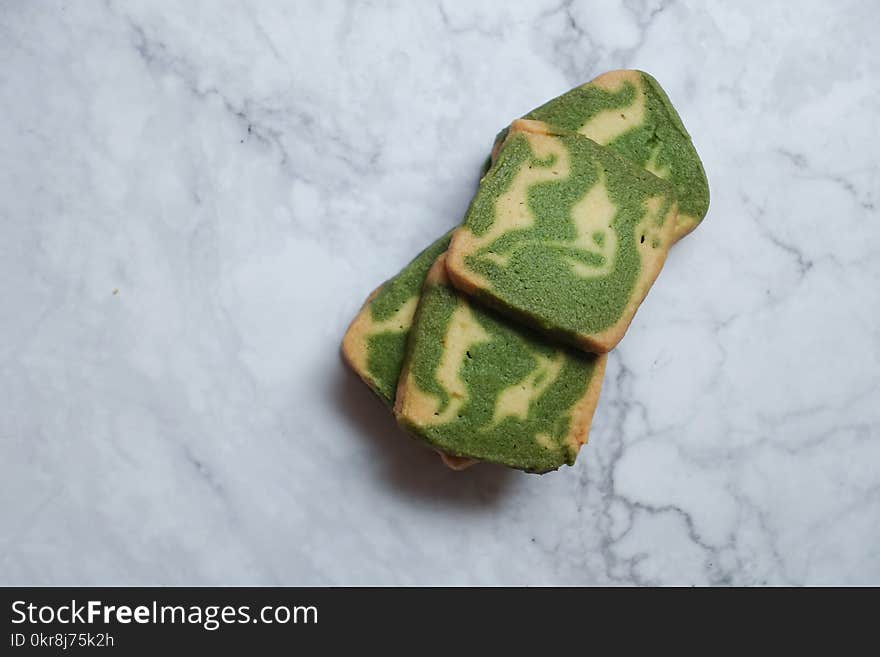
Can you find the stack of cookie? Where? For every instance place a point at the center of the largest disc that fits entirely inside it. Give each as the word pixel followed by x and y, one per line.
pixel 491 344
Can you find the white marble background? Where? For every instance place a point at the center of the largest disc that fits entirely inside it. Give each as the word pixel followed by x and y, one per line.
pixel 195 197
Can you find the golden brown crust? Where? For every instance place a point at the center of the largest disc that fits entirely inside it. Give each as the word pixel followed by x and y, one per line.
pixel 496 148
pixel 401 403
pixel 684 225
pixel 457 463
pixel 614 80
pixel 437 273
pixel 582 415
pixel 531 126
pixel 455 269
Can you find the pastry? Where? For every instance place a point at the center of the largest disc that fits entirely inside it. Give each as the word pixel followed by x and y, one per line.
pixel 476 386
pixel 564 235
pixel 375 342
pixel 629 112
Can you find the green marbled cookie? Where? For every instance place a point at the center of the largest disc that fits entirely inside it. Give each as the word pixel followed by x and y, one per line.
pixel 375 343
pixel 629 112
pixel 564 235
pixel 476 386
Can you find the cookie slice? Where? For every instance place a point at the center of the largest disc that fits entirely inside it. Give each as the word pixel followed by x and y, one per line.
pixel 565 235
pixel 479 387
pixel 375 342
pixel 629 112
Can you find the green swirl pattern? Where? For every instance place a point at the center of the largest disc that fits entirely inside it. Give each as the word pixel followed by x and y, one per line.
pixel 375 343
pixel 564 235
pixel 477 386
pixel 629 112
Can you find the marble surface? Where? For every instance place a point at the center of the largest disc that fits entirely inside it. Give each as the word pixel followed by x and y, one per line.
pixel 196 197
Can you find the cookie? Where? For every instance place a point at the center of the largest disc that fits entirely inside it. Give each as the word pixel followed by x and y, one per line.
pixel 629 112
pixel 375 342
pixel 564 235
pixel 477 386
